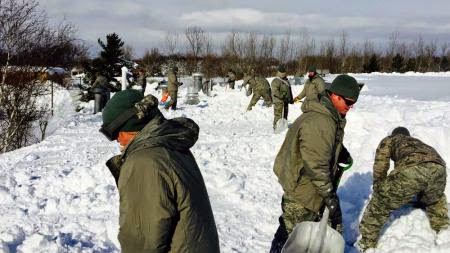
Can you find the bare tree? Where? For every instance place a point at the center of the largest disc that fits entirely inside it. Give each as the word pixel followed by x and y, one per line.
pixel 393 44
pixel 343 50
pixel 250 46
pixel 307 51
pixel 128 52
pixel 285 47
pixel 27 41
pixel 267 46
pixel 171 41
pixel 195 37
pixel 430 52
pixel 20 24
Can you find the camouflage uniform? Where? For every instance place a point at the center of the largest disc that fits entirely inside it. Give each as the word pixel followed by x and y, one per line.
pixel 172 87
pixel 419 172
pixel 306 166
pixel 282 97
pixel 260 88
pixel 231 79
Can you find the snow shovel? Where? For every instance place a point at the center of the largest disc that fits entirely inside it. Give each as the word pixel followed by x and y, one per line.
pixel 282 124
pixel 314 237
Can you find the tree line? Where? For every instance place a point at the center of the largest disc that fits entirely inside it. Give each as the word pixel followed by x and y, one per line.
pixel 197 50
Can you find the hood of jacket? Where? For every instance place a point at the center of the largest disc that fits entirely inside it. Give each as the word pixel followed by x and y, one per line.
pixel 178 133
pixel 324 106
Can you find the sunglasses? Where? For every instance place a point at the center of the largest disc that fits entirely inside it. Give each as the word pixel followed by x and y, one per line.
pixel 347 101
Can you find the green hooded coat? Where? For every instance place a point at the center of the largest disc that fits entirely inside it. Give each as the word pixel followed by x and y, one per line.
pixel 306 164
pixel 164 205
pixel 311 88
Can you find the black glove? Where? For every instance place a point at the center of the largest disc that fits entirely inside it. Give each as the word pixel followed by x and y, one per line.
pixel 332 203
pixel 345 160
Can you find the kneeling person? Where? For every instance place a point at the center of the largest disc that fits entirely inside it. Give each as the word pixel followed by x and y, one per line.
pixel 419 171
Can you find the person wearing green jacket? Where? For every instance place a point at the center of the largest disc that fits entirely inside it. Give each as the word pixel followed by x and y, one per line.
pixel 231 78
pixel 312 87
pixel 164 205
pixel 172 87
pixel 419 171
pixel 306 164
pixel 281 95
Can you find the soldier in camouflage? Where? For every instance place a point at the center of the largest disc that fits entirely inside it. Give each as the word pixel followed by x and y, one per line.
pixel 419 171
pixel 172 87
pixel 281 95
pixel 260 87
pixel 231 78
pixel 307 163
pixel 313 86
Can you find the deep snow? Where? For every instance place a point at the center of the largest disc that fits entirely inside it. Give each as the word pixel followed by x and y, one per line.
pixel 57 195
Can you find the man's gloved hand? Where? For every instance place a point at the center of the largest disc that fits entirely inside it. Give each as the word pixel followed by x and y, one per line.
pixel 345 160
pixel 296 100
pixel 332 203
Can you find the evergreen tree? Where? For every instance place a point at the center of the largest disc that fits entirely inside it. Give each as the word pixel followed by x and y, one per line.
pixel 444 65
pixel 112 58
pixel 372 65
pixel 411 64
pixel 398 63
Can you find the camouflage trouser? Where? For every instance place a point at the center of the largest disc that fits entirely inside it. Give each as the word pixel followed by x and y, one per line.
pixel 425 181
pixel 278 111
pixel 173 100
pixel 293 213
pixel 256 96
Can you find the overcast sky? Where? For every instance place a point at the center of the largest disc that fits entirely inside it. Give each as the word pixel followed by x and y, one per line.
pixel 143 24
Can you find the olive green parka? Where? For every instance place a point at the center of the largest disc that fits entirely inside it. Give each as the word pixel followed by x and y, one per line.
pixel 164 205
pixel 306 163
pixel 311 88
pixel 281 90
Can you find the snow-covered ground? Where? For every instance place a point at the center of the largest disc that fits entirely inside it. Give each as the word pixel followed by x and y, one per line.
pixel 57 195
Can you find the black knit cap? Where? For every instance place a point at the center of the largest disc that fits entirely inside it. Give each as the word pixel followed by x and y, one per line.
pixel 345 86
pixel 400 130
pixel 119 103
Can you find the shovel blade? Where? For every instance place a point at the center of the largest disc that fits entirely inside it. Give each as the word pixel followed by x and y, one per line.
pixel 281 125
pixel 306 237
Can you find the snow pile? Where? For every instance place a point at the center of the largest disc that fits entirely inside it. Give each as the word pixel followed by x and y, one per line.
pixel 57 196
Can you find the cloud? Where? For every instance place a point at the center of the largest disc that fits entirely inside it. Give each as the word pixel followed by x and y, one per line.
pixel 143 23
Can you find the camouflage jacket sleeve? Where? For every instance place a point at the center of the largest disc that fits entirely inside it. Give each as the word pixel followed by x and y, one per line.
pixel 382 160
pixel 317 149
pixel 275 86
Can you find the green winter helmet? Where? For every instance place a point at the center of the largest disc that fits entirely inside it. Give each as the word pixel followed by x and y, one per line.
pixel 120 114
pixel 312 68
pixel 281 68
pixel 345 86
